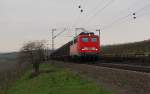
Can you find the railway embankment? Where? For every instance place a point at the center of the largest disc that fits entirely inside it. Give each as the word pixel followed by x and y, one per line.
pixel 121 81
pixel 55 80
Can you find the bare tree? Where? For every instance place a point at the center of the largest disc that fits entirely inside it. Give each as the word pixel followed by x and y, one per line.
pixel 33 52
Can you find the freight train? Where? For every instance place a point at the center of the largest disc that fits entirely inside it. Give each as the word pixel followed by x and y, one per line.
pixel 86 45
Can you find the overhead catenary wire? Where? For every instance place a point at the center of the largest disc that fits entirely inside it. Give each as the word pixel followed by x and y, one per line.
pixel 124 17
pixel 98 5
pixel 99 11
pixel 144 14
pixel 85 2
pixel 130 6
pixel 92 11
pixel 116 21
pixel 148 5
pixel 76 20
pixel 81 11
pixel 120 19
pixel 79 7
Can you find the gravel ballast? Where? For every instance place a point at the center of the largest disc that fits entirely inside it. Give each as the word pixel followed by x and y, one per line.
pixel 121 81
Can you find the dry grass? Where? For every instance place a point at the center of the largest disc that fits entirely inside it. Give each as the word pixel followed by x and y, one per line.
pixel 10 71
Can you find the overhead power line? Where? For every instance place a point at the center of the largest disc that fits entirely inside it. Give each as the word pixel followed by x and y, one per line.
pixel 100 10
pixel 98 5
pixel 116 21
pixel 144 14
pixel 143 8
pixel 93 10
pixel 124 17
pixel 85 2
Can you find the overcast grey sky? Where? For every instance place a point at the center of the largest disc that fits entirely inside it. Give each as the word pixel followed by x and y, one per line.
pixel 27 20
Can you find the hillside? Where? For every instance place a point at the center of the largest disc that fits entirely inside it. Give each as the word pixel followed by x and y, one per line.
pixel 136 47
pixel 8 56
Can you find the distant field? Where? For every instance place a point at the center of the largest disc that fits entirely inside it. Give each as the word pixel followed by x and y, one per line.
pixel 8 57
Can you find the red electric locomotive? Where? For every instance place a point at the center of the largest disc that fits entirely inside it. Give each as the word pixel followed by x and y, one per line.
pixel 85 44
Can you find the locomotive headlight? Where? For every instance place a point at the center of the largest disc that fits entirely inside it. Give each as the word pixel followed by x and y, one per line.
pixel 84 48
pixel 93 48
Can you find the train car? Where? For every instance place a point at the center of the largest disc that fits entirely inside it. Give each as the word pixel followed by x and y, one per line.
pixel 86 45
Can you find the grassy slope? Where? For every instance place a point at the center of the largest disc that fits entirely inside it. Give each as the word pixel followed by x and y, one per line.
pixel 137 47
pixel 10 70
pixel 56 81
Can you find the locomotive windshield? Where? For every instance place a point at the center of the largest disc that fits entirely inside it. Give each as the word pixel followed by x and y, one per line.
pixel 94 39
pixel 85 39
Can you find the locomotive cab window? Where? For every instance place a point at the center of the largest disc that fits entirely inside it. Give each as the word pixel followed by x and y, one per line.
pixel 85 40
pixel 94 39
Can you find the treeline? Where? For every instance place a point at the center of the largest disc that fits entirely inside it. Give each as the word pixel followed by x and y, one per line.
pixel 142 47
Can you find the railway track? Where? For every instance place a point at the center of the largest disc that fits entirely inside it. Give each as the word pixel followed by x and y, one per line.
pixel 138 68
pixel 125 64
pixel 128 82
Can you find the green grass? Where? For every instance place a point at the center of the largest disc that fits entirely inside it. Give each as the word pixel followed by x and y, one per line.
pixel 55 81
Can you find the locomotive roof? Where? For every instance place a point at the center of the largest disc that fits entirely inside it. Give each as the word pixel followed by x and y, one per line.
pixel 86 33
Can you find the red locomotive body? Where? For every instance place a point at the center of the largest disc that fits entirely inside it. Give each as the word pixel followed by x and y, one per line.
pixel 85 44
